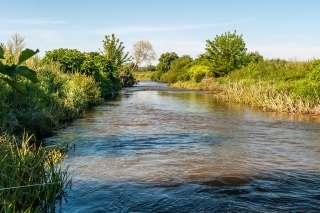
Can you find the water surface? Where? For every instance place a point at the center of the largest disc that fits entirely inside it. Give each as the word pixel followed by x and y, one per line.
pixel 153 149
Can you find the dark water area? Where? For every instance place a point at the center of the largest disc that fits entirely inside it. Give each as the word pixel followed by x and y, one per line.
pixel 156 149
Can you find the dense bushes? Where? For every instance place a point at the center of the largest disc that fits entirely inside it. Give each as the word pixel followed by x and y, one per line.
pixel 56 98
pixel 92 64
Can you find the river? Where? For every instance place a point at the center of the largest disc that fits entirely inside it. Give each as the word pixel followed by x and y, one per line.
pixel 156 149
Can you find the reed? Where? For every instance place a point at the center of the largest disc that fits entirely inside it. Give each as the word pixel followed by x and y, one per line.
pixel 267 97
pixel 31 178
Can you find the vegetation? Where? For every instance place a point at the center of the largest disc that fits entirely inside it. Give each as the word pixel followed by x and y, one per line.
pixel 245 77
pixel 31 178
pixel 113 50
pixel 63 84
pixel 225 53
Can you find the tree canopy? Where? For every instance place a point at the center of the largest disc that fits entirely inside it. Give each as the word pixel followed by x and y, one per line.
pixel 225 53
pixel 113 50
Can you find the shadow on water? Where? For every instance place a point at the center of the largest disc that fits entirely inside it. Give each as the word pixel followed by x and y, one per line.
pixel 162 150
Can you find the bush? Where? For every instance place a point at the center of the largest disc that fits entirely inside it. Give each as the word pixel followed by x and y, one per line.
pixel 198 72
pixel 176 69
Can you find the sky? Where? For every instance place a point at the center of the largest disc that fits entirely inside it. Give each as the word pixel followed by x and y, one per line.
pixel 286 29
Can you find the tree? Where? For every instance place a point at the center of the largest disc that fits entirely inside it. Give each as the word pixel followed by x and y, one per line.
pixel 143 52
pixel 14 48
pixel 113 50
pixel 226 53
pixel 167 58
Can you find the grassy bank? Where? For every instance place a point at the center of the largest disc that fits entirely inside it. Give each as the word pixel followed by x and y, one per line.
pixel 142 75
pixel 272 85
pixel 31 177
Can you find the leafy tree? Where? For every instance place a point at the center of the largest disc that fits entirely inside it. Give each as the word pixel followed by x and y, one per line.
pixel 113 50
pixel 14 70
pixel 226 52
pixel 254 57
pixel 167 58
pixel 143 52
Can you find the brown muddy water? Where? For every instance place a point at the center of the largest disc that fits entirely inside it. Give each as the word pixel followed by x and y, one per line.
pixel 155 149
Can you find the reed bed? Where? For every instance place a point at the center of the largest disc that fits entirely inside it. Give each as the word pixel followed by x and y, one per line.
pixel 31 178
pixel 266 97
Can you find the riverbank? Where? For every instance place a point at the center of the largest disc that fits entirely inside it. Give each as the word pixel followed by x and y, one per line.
pixel 272 85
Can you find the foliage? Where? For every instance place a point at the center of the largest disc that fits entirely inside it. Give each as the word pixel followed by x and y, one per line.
pixel 176 69
pixel 198 72
pixel 70 60
pixel 164 64
pixel 143 52
pixel 13 71
pixel 113 50
pixel 31 177
pixel 189 72
pixel 103 71
pixel 226 52
pixel 126 76
pixel 314 75
pixel 252 57
pixel 92 64
pixel 56 98
pixel 167 58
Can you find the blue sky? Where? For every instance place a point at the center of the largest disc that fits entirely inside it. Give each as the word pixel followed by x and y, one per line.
pixel 287 29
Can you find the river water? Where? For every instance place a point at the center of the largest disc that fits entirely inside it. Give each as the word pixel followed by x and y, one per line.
pixel 155 149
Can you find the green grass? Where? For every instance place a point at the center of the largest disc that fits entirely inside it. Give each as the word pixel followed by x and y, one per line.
pixel 31 178
pixel 142 75
pixel 272 85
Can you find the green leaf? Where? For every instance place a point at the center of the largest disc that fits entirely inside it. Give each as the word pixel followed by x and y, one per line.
pixel 27 73
pixel 26 54
pixel 18 86
pixel 1 53
pixel 11 70
pixel 3 69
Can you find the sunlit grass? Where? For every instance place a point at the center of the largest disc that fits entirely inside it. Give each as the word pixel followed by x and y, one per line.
pixel 142 75
pixel 31 178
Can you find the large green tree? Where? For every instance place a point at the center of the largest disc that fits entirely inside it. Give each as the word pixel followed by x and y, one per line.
pixel 225 53
pixel 113 50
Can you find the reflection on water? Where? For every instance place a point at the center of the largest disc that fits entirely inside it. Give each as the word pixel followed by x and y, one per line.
pixel 182 151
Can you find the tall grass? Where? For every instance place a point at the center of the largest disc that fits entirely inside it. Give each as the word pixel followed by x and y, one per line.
pixel 266 96
pixel 58 97
pixel 31 178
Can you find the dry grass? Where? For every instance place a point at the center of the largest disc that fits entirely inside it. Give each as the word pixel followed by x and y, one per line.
pixel 266 97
